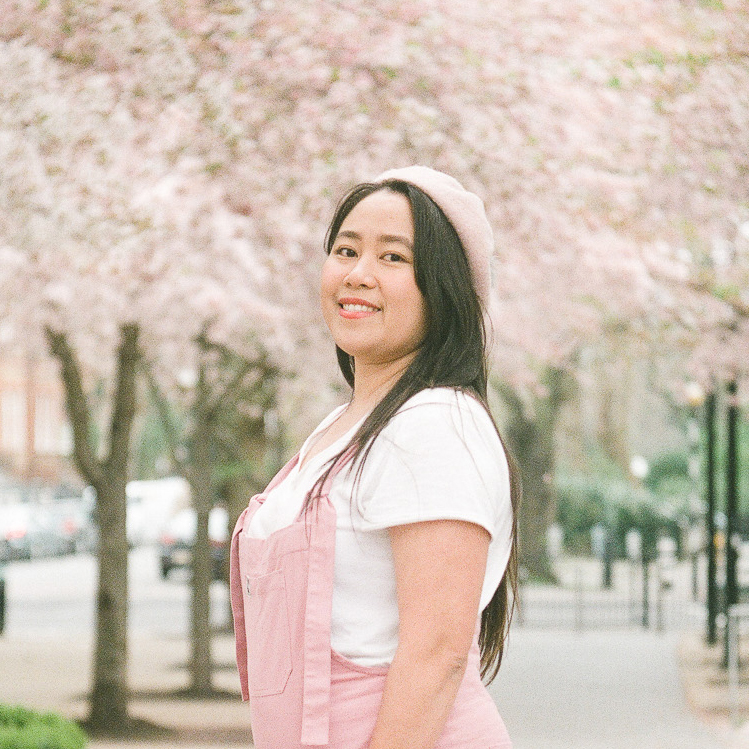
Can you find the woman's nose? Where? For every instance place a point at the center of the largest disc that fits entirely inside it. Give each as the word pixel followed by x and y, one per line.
pixel 362 274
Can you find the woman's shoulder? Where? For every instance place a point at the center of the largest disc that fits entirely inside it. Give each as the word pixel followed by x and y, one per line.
pixel 439 412
pixel 439 402
pixel 440 445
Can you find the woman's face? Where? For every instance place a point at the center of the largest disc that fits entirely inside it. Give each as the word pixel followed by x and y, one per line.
pixel 370 300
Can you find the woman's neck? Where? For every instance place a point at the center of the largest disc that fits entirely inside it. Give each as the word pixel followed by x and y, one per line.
pixel 373 382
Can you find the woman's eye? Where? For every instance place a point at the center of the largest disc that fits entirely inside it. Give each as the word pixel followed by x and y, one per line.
pixel 344 251
pixel 394 257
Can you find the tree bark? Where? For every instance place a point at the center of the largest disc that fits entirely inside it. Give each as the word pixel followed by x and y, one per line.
pixel 109 694
pixel 614 383
pixel 197 467
pixel 201 486
pixel 530 434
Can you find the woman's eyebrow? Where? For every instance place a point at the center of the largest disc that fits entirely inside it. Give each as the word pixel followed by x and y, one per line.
pixel 396 238
pixel 349 234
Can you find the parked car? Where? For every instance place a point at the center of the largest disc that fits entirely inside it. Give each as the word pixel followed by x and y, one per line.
pixel 150 505
pixel 14 532
pixel 72 521
pixel 178 538
pixel 28 532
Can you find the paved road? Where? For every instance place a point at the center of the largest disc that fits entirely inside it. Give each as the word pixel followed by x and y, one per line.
pixel 596 690
pixel 57 596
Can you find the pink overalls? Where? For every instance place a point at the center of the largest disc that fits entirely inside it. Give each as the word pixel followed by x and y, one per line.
pixel 301 692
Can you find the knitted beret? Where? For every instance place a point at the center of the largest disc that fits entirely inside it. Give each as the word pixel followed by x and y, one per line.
pixel 464 210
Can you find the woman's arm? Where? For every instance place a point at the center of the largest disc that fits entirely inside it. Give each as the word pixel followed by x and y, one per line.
pixel 439 571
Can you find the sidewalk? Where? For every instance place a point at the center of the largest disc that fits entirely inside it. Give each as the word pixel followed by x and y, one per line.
pixel 556 690
pixel 612 689
pixel 52 673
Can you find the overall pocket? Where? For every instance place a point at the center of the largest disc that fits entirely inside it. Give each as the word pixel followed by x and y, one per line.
pixel 268 633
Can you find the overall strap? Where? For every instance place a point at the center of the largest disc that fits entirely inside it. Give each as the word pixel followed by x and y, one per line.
pixel 317 621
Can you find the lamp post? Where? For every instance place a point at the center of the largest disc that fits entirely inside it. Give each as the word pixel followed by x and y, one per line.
pixel 710 528
pixel 695 399
pixel 732 483
pixel 639 469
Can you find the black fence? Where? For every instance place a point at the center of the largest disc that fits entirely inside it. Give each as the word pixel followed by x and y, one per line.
pixel 660 596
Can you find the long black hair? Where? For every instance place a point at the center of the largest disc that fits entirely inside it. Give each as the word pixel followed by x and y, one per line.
pixel 452 354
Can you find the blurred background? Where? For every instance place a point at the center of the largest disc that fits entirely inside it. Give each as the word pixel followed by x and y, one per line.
pixel 168 172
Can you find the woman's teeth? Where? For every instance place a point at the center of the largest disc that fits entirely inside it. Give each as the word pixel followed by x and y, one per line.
pixel 358 308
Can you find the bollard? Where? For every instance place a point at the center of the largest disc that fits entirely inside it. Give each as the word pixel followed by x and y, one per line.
pixel 608 560
pixel 632 609
pixel 579 601
pixel 661 586
pixel 695 577
pixel 645 593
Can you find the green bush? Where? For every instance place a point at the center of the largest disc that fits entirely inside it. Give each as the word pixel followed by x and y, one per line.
pixel 581 505
pixel 25 729
pixel 668 475
pixel 586 501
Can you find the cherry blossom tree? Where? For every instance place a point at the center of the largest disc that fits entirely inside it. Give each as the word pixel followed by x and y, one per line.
pixel 172 168
pixel 97 253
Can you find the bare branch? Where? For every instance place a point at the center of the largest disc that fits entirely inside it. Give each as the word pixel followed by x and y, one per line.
pixel 84 452
pixel 232 390
pixel 737 305
pixel 123 412
pixel 170 430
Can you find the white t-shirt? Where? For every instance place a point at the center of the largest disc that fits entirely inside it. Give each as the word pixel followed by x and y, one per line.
pixel 438 458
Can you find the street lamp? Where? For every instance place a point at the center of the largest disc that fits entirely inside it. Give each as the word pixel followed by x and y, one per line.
pixel 695 397
pixel 639 468
pixel 710 519
pixel 732 484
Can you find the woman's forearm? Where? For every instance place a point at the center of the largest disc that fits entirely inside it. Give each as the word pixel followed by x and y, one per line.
pixel 419 693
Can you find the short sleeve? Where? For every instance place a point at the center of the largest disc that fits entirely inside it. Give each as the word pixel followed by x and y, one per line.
pixel 439 458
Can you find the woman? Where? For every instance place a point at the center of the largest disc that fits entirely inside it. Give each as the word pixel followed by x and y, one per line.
pixel 371 581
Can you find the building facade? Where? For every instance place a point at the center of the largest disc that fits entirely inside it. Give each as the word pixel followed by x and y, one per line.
pixel 35 436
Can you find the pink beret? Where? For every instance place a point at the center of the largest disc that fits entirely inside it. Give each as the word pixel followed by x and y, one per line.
pixel 464 210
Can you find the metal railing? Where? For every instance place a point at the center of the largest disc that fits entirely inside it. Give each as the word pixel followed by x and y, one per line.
pixel 659 597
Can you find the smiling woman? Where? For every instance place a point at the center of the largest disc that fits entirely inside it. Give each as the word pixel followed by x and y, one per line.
pixel 372 582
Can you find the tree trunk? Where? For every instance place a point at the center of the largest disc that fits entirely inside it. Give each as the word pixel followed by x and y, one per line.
pixel 530 434
pixel 109 693
pixel 201 665
pixel 614 382
pixel 109 696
